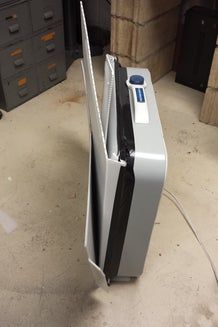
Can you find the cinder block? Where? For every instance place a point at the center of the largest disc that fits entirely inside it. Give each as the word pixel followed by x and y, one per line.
pixel 138 42
pixel 158 64
pixel 126 9
pixel 151 9
pixel 141 11
pixel 143 33
pixel 125 62
pixel 156 34
pixel 122 37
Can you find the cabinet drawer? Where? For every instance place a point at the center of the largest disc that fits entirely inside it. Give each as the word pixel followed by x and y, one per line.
pixel 51 72
pixel 14 23
pixel 20 88
pixel 45 12
pixel 16 58
pixel 49 43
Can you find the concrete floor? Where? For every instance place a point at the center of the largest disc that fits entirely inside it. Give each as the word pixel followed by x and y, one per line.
pixel 44 276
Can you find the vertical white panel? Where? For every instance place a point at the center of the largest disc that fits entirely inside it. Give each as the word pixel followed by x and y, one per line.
pixel 107 170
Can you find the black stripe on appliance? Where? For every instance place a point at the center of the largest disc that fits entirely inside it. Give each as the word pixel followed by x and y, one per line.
pixel 95 206
pixel 126 180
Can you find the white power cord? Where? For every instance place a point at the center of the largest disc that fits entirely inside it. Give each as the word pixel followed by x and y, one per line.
pixel 177 203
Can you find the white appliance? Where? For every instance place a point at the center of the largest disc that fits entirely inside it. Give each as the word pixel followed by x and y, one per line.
pixel 127 168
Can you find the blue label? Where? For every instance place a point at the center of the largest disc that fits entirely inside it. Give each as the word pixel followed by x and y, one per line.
pixel 140 95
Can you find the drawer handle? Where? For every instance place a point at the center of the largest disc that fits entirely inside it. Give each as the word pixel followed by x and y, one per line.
pixel 19 62
pixel 53 76
pixel 14 28
pixel 23 92
pixel 50 47
pixel 48 15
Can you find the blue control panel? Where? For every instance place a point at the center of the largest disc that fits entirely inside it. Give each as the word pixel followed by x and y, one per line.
pixel 140 95
pixel 137 85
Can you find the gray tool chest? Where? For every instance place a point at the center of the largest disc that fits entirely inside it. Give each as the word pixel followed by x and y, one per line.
pixel 32 53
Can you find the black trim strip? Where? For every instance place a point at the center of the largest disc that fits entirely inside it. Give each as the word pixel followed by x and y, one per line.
pixel 126 180
pixel 95 206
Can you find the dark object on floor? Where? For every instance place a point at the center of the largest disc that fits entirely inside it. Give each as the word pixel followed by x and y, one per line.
pixel 198 45
pixel 1 115
pixel 71 30
pixel 32 53
pixel 98 29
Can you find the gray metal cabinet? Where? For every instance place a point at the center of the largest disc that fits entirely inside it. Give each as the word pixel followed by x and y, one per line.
pixel 50 72
pixel 32 52
pixel 45 12
pixel 15 23
pixel 16 58
pixel 20 88
pixel 49 43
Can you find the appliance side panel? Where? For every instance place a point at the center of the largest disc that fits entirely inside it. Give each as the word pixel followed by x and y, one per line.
pixel 150 171
pixel 149 180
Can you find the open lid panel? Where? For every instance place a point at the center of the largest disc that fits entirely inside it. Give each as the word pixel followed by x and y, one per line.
pixel 92 101
pixel 99 121
pixel 97 144
pixel 96 130
pixel 106 170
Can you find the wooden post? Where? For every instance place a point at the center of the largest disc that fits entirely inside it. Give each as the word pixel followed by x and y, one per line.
pixel 209 111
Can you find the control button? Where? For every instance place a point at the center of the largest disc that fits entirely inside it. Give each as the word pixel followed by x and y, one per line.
pixel 53 76
pixel 140 95
pixel 48 15
pixel 136 80
pixel 14 28
pixel 50 47
pixel 23 92
pixel 19 62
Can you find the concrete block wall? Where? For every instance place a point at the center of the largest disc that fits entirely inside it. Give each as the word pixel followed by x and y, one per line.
pixel 143 33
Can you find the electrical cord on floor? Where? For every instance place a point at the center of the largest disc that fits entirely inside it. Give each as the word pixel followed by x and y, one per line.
pixel 179 206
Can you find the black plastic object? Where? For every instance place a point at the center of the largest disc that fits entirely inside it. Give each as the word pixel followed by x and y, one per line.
pixel 126 181
pixel 197 49
pixel 1 115
pixel 72 33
